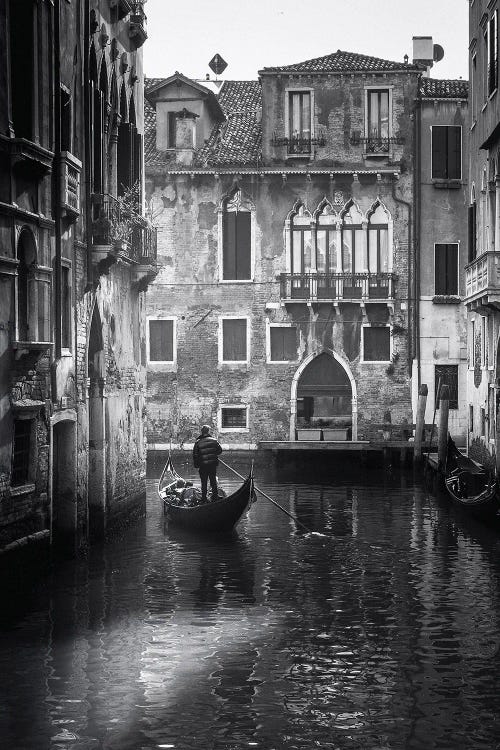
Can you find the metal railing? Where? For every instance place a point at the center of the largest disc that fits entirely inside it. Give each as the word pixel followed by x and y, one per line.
pixel 337 286
pixel 145 244
pixel 119 226
pixel 298 145
pixel 375 144
pixel 483 273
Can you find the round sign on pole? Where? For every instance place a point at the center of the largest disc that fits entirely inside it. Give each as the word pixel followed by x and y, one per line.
pixel 217 64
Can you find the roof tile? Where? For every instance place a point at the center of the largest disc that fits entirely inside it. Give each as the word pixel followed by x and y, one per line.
pixel 434 88
pixel 342 62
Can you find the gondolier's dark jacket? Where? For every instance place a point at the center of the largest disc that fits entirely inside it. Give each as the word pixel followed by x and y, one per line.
pixel 205 452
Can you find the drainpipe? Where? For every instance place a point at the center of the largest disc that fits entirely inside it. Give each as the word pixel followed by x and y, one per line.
pixel 87 137
pixel 57 174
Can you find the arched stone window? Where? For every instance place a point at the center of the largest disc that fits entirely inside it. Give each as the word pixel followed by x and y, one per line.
pixel 353 233
pixel 378 240
pixel 236 231
pixel 300 240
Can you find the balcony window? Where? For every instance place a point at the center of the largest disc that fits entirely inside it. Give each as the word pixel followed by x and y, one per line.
pixel 234 340
pixel 354 250
pixel 446 269
pixel 299 122
pixel 378 241
pixel 326 240
pixel 446 152
pixel 378 122
pixel 301 237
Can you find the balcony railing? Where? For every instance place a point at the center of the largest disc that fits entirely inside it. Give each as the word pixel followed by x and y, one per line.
pixel 482 280
pixel 298 145
pixel 337 286
pixel 144 244
pixel 138 24
pixel 108 225
pixel 375 144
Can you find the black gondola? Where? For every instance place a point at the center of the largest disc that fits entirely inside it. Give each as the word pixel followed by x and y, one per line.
pixel 215 515
pixel 469 486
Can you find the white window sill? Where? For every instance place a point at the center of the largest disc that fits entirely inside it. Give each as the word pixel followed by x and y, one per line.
pixel 226 430
pixel 236 281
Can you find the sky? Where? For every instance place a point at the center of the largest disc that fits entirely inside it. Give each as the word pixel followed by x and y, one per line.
pixel 253 34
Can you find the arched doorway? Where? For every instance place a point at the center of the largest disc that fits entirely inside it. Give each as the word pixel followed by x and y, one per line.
pixel 324 396
pixel 64 517
pixel 97 430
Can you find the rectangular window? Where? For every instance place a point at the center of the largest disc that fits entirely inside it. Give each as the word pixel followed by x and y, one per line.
pixel 66 307
pixel 376 344
pixel 473 86
pixel 234 417
pixel 446 269
pixel 299 122
pixel 446 152
pixel 378 121
pixel 446 375
pixel 237 230
pixel 283 343
pixel 234 340
pixel 161 340
pixel 492 41
pixel 172 129
pixel 472 216
pixel 21 452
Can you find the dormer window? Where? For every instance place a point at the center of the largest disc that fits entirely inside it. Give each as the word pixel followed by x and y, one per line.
pixel 182 129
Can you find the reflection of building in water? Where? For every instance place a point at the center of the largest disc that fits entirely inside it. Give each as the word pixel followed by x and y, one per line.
pixel 327 509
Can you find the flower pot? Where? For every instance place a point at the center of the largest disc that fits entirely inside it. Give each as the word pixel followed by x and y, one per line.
pixel 308 434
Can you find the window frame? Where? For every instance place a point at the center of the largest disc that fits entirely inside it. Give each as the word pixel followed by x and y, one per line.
pixel 362 345
pixel 446 179
pixel 457 280
pixel 299 90
pixel 270 326
pixel 368 89
pixel 436 382
pixel 233 362
pixel 240 407
pixel 29 477
pixel 166 364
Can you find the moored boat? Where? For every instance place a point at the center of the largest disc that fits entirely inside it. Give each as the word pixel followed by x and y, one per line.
pixel 182 507
pixel 469 486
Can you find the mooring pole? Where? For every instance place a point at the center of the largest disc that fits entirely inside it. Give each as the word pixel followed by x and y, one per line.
pixel 444 406
pixel 420 423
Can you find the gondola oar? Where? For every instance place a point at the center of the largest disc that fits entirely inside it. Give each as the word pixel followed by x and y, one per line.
pixel 294 518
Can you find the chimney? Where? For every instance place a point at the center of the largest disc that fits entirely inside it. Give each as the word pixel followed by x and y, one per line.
pixel 423 52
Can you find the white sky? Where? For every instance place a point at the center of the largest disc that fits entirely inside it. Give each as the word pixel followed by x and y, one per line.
pixel 252 34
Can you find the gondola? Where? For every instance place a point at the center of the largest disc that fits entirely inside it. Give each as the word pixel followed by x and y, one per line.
pixel 219 515
pixel 469 486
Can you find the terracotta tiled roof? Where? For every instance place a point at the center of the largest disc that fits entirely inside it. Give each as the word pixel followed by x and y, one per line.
pixel 433 88
pixel 342 62
pixel 235 142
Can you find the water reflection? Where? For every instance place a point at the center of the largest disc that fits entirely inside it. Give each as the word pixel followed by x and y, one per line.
pixel 385 634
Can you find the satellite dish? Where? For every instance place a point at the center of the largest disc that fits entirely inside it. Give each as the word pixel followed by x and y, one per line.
pixel 437 53
pixel 217 64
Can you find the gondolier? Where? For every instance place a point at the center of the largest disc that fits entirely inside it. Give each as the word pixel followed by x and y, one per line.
pixel 205 458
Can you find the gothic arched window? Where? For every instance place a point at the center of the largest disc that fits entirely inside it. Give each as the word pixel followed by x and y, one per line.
pixel 326 239
pixel 354 258
pixel 378 240
pixel 301 240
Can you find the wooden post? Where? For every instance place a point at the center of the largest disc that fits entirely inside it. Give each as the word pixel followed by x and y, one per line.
pixel 420 423
pixel 444 405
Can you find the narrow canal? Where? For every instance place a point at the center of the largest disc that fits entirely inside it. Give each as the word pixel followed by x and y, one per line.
pixel 384 636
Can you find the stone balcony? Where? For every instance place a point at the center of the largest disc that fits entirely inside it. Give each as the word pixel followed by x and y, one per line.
pixel 337 287
pixel 482 283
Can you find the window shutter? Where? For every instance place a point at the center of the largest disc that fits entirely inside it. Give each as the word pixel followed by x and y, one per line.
pixel 243 245
pixel 377 344
pixel 161 340
pixel 229 245
pixel 452 269
pixel 439 152
pixel 454 153
pixel 124 156
pixel 283 344
pixel 440 269
pixel 234 340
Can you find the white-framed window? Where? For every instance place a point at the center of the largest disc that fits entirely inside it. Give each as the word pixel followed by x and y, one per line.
pixel 376 343
pixel 378 120
pixel 281 342
pixel 446 152
pixel 233 418
pixel 234 340
pixel 299 118
pixel 446 268
pixel 161 341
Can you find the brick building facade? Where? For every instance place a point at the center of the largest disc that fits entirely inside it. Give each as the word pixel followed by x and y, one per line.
pixel 284 305
pixel 76 255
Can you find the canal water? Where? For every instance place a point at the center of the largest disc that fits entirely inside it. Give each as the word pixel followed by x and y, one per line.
pixel 384 634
